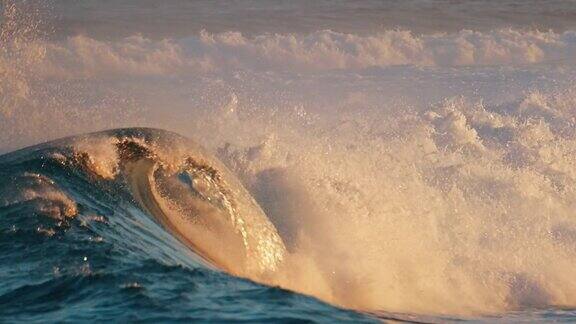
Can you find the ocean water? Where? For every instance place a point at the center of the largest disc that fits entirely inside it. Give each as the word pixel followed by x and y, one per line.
pixel 273 161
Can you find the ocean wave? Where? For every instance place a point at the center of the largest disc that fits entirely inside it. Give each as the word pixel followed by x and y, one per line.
pixel 418 173
pixel 179 185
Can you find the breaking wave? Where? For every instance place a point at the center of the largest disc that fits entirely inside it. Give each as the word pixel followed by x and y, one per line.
pixel 176 183
pixel 82 56
pixel 414 173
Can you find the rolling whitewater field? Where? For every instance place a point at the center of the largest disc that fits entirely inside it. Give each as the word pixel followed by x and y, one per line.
pixel 287 161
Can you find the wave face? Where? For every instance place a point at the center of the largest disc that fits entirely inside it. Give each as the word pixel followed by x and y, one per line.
pixel 412 157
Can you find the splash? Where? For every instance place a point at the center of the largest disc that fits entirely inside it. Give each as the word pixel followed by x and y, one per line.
pixel 466 210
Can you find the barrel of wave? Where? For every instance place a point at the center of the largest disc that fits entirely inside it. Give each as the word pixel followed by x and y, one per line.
pixel 191 193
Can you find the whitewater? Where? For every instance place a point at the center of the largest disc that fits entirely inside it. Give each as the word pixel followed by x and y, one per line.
pixel 267 161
